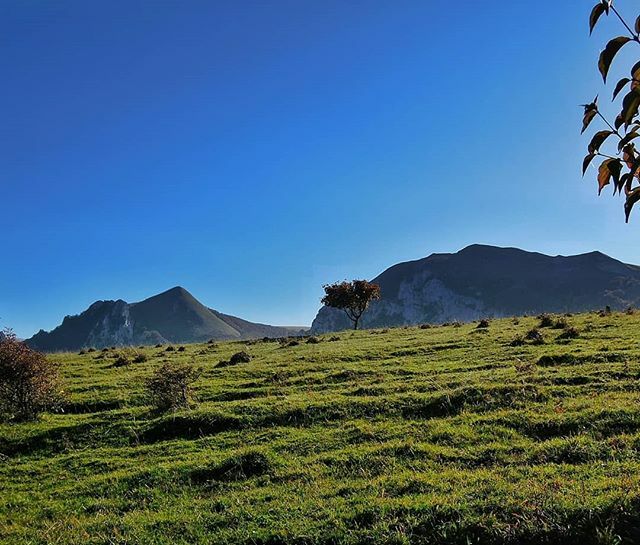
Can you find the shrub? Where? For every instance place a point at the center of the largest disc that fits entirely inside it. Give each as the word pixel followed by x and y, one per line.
pixel 240 357
pixel 545 320
pixel 159 345
pixel 483 324
pixel 560 323
pixel 169 349
pixel 534 336
pixel 606 312
pixel 569 333
pixel 181 349
pixel 457 324
pixel 29 382
pixel 140 357
pixel 630 311
pixel 121 360
pixel 425 326
pixel 91 349
pixel 313 340
pixel 105 349
pixel 82 353
pixel 169 388
pixel 334 339
pixel 517 341
pixel 211 341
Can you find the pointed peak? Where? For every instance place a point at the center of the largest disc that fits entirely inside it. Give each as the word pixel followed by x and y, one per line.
pixel 177 289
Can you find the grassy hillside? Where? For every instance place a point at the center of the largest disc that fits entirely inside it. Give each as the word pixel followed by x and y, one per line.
pixel 440 435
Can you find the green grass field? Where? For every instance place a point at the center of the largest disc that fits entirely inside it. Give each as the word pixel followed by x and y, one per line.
pixel 442 435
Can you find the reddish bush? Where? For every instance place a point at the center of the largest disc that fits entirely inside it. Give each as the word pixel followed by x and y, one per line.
pixel 29 382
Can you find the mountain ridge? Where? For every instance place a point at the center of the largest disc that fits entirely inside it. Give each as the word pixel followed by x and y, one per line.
pixel 490 281
pixel 173 316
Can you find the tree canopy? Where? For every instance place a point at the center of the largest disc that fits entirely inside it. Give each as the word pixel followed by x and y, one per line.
pixel 352 297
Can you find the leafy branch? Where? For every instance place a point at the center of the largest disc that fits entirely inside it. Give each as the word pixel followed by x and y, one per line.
pixel 621 167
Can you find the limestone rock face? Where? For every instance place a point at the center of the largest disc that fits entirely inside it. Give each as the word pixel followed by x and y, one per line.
pixel 172 316
pixel 485 281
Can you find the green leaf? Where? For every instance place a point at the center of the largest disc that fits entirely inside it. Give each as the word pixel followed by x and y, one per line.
pixel 587 162
pixel 630 105
pixel 598 139
pixel 620 86
pixel 596 13
pixel 628 138
pixel 609 53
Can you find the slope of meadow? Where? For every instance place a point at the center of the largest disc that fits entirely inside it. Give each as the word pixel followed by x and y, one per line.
pixel 440 435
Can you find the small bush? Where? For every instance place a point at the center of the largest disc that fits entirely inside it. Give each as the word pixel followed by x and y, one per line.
pixel 211 341
pixel 545 320
pixel 169 349
pixel 456 324
pixel 159 345
pixel 534 336
pixel 91 349
pixel 105 349
pixel 181 349
pixel 515 321
pixel 518 340
pixel 606 312
pixel 169 388
pixel 82 353
pixel 313 340
pixel 240 357
pixel 630 311
pixel 140 357
pixel 483 324
pixel 334 339
pixel 425 326
pixel 560 323
pixel 569 333
pixel 29 382
pixel 121 360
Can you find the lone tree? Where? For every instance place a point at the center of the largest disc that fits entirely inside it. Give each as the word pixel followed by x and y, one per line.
pixel 352 297
pixel 622 162
pixel 29 382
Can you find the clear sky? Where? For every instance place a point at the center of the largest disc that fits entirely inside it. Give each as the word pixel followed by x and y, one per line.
pixel 251 151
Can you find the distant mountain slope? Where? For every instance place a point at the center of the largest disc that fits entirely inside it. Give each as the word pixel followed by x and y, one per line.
pixel 173 316
pixel 486 281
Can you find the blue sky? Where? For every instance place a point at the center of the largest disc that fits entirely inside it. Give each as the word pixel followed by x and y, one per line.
pixel 252 151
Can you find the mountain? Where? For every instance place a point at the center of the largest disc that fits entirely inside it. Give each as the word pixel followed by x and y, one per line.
pixel 174 316
pixel 486 281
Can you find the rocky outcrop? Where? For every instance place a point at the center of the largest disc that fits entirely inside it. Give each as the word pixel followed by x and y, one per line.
pixel 485 281
pixel 173 316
